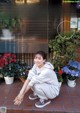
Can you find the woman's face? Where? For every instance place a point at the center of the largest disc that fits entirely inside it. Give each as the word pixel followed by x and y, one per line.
pixel 38 60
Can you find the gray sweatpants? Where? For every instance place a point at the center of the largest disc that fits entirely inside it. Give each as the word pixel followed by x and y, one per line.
pixel 45 91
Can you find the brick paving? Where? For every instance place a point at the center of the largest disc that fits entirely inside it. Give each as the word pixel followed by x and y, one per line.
pixel 67 102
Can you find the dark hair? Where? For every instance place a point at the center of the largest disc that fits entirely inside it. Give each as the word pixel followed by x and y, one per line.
pixel 42 53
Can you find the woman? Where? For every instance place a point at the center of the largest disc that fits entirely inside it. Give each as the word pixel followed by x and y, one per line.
pixel 42 80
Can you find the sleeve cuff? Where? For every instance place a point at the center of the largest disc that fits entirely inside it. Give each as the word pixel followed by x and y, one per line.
pixel 30 84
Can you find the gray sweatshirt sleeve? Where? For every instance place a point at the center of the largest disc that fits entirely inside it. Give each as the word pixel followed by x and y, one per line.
pixel 44 76
pixel 32 72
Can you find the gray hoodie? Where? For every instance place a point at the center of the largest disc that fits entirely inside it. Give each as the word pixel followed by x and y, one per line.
pixel 44 74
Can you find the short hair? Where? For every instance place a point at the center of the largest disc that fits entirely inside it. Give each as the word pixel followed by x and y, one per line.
pixel 42 53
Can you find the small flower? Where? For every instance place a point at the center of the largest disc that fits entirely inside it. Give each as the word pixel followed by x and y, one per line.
pixel 59 75
pixel 7 63
pixel 2 62
pixel 60 72
pixel 14 56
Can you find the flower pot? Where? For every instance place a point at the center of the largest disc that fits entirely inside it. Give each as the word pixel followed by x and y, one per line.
pixel 9 80
pixel 60 83
pixel 22 79
pixel 6 34
pixel 71 83
pixel 1 76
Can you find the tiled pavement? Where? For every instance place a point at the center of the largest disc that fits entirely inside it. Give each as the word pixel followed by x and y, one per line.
pixel 67 102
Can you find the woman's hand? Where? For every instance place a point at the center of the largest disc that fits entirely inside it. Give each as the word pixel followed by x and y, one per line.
pixel 25 88
pixel 18 99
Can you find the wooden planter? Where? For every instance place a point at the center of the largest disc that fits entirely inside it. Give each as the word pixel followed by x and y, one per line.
pixel 22 79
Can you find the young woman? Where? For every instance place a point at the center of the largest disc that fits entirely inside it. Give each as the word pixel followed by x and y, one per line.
pixel 42 80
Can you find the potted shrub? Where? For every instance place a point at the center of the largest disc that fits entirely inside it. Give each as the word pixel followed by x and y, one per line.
pixel 22 71
pixel 8 24
pixel 8 68
pixel 59 76
pixel 72 70
pixel 8 73
pixel 63 47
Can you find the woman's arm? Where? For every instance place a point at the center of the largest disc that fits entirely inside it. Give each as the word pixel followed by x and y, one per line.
pixel 44 76
pixel 25 88
pixel 22 91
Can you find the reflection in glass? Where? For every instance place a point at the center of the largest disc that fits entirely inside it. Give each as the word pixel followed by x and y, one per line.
pixel 19 1
pixel 26 1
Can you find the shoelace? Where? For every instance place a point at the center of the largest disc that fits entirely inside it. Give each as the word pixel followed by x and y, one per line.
pixel 42 101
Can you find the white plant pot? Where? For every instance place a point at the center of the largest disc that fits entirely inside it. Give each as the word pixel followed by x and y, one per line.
pixel 9 80
pixel 60 83
pixel 6 34
pixel 71 83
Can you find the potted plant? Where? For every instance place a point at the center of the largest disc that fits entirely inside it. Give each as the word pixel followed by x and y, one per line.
pixel 8 73
pixel 22 71
pixel 8 68
pixel 72 70
pixel 63 47
pixel 59 76
pixel 8 24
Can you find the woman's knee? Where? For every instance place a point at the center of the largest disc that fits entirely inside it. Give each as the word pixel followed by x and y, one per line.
pixel 36 86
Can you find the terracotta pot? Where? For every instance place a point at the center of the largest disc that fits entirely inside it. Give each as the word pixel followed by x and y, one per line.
pixel 22 79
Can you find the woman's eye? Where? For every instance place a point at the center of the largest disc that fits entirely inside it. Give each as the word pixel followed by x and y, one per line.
pixel 35 58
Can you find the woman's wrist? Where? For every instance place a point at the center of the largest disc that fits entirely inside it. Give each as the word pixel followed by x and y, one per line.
pixel 21 94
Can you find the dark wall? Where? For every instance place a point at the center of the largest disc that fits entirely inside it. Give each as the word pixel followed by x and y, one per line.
pixel 55 1
pixel 55 12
